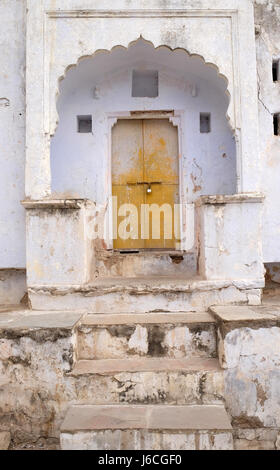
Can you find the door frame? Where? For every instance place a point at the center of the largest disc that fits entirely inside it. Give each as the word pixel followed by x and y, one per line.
pixel 176 118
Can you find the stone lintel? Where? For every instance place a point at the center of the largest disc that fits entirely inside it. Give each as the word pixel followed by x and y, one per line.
pixel 229 199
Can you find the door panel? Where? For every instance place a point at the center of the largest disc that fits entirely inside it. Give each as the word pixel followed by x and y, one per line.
pixel 127 167
pixel 161 219
pixel 143 152
pixel 160 151
pixel 128 194
pixel 127 151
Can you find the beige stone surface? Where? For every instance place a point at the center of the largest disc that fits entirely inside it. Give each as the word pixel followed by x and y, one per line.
pixel 218 441
pixel 148 318
pixel 188 417
pixel 114 366
pixel 30 319
pixel 145 440
pixel 92 417
pixel 243 444
pixel 5 438
pixel 234 313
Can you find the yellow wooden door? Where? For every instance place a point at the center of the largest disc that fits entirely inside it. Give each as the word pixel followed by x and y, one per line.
pixel 145 174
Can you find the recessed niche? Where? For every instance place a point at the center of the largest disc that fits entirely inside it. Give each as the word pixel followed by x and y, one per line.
pixel 144 83
pixel 84 124
pixel 276 123
pixel 205 123
pixel 276 70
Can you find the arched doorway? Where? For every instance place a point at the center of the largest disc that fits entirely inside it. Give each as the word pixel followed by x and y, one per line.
pixel 125 91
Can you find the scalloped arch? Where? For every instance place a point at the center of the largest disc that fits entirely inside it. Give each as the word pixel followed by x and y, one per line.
pixel 131 43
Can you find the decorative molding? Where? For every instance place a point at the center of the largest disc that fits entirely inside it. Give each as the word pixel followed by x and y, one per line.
pixel 230 199
pixel 158 13
pixel 55 203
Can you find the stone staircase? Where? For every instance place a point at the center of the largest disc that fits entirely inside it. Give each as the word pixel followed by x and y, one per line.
pixel 170 388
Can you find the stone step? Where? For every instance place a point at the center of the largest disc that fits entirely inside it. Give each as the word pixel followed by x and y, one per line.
pixel 150 380
pixel 149 294
pixel 185 334
pixel 159 427
pixel 115 366
pixel 145 263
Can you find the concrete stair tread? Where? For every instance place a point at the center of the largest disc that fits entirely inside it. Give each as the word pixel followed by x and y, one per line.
pixel 115 366
pixel 244 313
pixel 93 319
pixel 152 417
pixel 24 319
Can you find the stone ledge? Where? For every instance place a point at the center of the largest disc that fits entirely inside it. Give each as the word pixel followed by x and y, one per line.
pixel 56 203
pixel 183 318
pixel 196 417
pixel 229 199
pixel 26 320
pixel 233 317
pixel 149 285
pixel 146 364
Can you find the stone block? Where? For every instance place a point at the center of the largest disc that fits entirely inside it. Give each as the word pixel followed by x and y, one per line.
pixel 244 444
pixel 57 245
pixel 230 230
pixel 169 340
pixel 215 441
pixel 5 438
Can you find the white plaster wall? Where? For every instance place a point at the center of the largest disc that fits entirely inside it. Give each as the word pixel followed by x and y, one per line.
pixel 79 162
pixel 12 133
pixel 267 19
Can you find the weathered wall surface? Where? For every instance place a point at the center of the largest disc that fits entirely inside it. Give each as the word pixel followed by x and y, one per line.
pixel 12 133
pixel 252 378
pixel 12 286
pixel 267 20
pixel 37 387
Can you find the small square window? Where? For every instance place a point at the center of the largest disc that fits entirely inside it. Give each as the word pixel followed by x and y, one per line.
pixel 205 123
pixel 276 124
pixel 84 124
pixel 144 83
